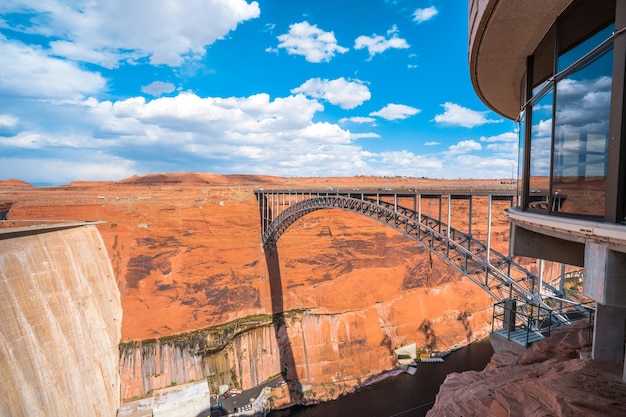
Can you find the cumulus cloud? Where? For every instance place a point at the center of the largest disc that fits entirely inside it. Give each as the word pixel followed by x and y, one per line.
pixel 457 115
pixel 28 71
pixel 107 32
pixel 464 146
pixel 423 15
pixel 396 111
pixel 156 88
pixel 311 42
pixel 377 44
pixel 341 92
pixel 229 135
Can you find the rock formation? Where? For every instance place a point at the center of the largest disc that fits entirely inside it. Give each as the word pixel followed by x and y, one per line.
pixel 187 256
pixel 555 377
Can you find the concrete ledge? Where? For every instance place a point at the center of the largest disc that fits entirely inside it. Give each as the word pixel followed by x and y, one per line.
pixel 500 343
pixel 38 227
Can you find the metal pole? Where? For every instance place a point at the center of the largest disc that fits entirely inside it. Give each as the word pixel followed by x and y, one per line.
pixel 439 218
pixel 562 286
pixel 448 228
pixel 489 232
pixel 469 229
pixel 419 217
pixel 395 209
pixel 540 278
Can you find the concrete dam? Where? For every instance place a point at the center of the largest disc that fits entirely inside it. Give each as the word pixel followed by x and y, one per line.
pixel 61 323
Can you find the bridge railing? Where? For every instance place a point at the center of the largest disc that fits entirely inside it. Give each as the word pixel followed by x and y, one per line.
pixel 496 273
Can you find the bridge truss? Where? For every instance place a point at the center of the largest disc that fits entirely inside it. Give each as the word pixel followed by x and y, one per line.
pixel 533 302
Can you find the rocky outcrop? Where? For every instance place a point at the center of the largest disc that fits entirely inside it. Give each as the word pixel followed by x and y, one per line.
pixel 555 377
pixel 61 324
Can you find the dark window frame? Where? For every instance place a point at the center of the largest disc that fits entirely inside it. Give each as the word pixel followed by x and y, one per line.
pixel 615 200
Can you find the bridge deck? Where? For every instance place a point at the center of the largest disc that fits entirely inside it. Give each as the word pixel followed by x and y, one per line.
pixel 498 274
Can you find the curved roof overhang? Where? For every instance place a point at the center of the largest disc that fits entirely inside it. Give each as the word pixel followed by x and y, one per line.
pixel 502 33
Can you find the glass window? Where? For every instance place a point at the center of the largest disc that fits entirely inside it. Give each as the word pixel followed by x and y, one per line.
pixel 583 102
pixel 580 21
pixel 571 56
pixel 540 153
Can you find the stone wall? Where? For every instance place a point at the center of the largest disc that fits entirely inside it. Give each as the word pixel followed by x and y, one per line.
pixel 61 325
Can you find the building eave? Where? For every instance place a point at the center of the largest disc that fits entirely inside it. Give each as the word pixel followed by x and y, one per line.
pixel 501 35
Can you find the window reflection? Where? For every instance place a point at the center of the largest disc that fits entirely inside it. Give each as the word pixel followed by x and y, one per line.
pixel 581 137
pixel 540 155
pixel 571 56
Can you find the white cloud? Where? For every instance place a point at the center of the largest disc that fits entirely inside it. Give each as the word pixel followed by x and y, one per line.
pixel 423 15
pixel 311 42
pixel 503 148
pixel 476 166
pixel 432 143
pixel 156 88
pixel 106 32
pixel 464 146
pixel 457 115
pixel 8 120
pixel 28 71
pixel 503 137
pixel 346 94
pixel 396 111
pixel 543 128
pixel 117 139
pixel 377 44
pixel 365 135
pixel 358 120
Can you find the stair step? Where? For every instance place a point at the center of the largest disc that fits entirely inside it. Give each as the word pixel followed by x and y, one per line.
pixel 520 336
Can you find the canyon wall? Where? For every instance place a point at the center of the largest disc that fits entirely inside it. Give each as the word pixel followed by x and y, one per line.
pixel 61 325
pixel 187 256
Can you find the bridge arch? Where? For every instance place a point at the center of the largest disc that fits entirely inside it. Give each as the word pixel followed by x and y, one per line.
pixel 499 275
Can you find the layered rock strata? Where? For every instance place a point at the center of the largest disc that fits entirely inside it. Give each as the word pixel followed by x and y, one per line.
pixel 187 256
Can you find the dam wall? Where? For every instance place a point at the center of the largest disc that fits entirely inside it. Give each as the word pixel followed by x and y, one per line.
pixel 61 319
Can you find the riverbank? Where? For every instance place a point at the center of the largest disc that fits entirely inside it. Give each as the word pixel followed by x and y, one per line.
pixel 400 394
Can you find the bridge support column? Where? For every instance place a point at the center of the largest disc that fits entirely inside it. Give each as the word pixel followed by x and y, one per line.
pixel 605 275
pixel 608 334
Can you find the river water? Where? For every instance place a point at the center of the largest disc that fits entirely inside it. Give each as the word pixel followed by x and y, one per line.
pixel 401 396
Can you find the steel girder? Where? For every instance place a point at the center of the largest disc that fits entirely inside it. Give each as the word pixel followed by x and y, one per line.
pixel 500 276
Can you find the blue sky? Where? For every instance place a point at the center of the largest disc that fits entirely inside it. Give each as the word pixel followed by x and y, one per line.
pixel 106 89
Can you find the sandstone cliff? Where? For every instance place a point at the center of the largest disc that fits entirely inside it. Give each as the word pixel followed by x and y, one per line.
pixel 187 256
pixel 61 324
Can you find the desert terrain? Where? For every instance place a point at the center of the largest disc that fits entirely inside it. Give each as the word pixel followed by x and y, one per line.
pixel 191 270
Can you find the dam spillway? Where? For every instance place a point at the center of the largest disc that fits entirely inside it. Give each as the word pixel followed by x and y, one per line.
pixel 61 323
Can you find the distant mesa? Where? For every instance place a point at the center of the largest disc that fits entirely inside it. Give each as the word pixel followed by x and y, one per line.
pixel 14 183
pixel 198 178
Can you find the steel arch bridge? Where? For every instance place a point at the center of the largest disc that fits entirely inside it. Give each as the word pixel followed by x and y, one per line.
pixel 497 274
